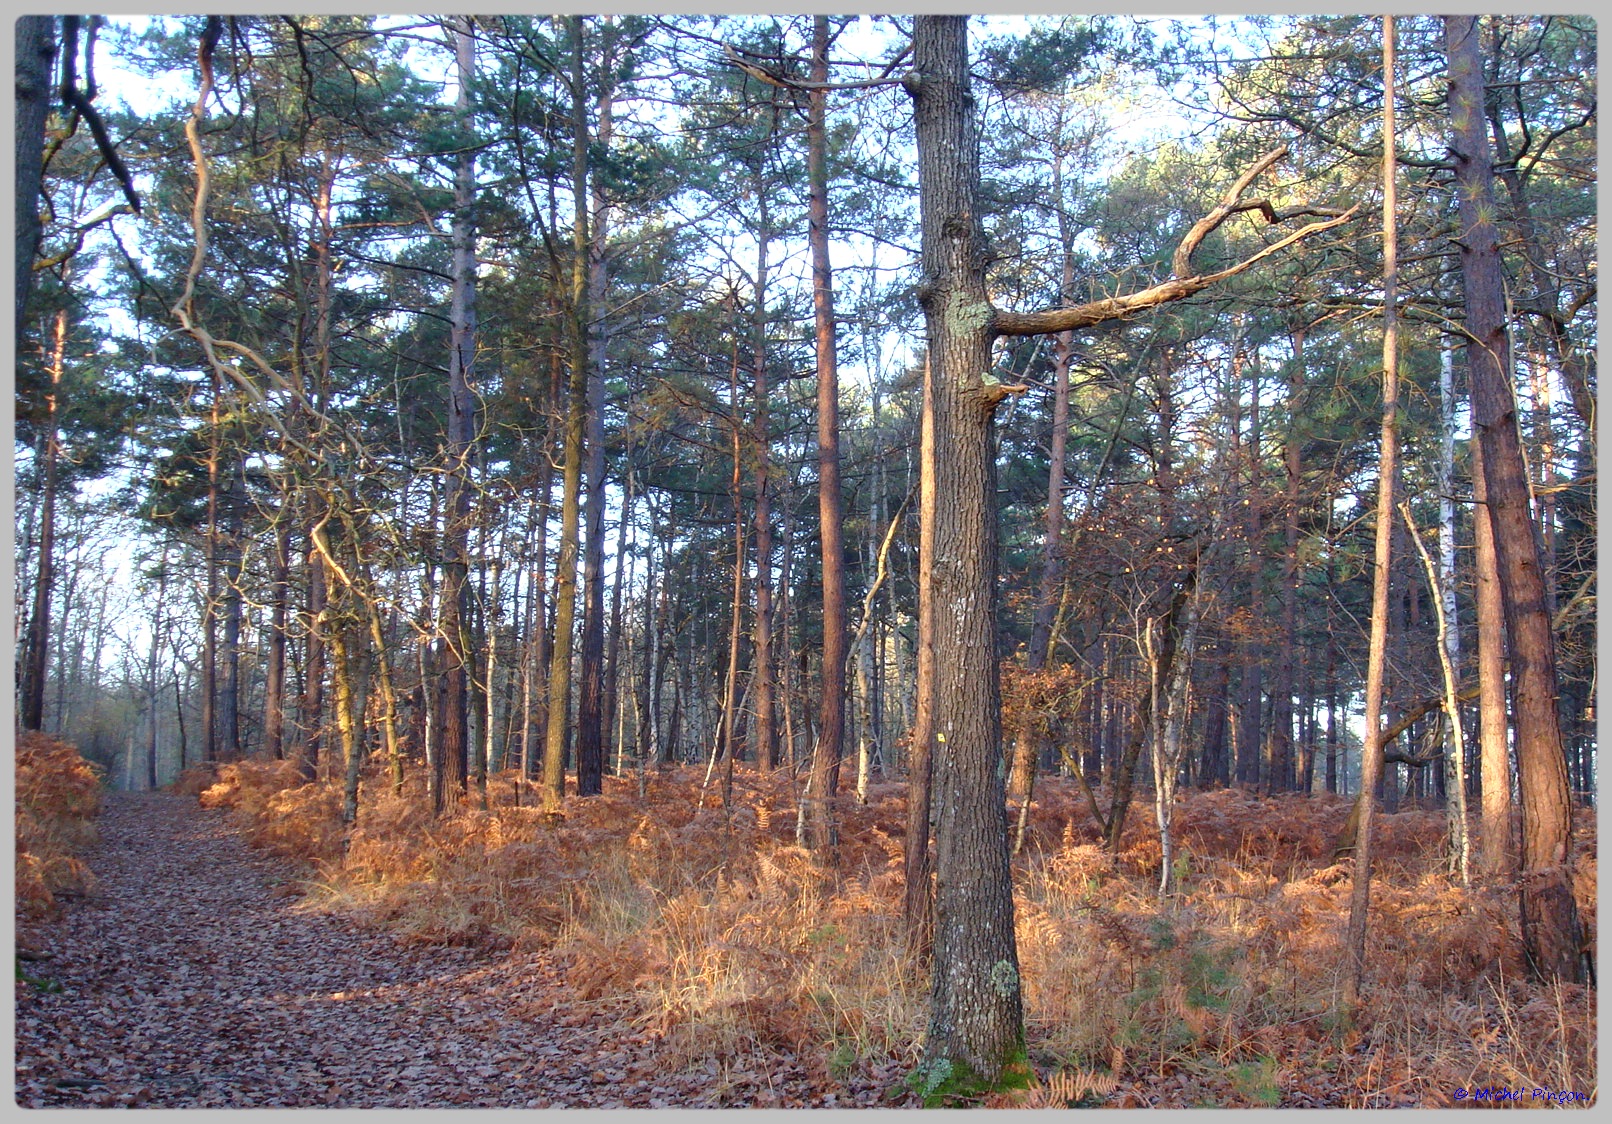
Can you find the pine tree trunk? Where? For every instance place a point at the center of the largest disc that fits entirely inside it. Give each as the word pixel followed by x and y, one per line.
pixel 1371 765
pixel 727 750
pixel 453 750
pixel 824 783
pixel 151 665
pixel 36 657
pixel 1249 718
pixel 591 713
pixel 1550 923
pixel 919 901
pixel 766 736
pixel 229 693
pixel 565 580
pixel 341 681
pixel 1026 745
pixel 312 711
pixel 274 673
pixel 534 731
pixel 1283 689
pixel 1497 844
pixel 614 709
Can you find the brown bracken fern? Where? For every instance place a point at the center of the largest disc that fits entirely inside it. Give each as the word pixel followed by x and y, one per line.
pixel 1069 1088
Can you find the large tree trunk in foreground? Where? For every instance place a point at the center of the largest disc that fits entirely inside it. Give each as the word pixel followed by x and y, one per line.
pixel 976 1013
pixel 1550 924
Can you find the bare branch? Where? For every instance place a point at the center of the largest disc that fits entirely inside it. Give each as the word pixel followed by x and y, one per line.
pixel 772 78
pixel 1181 264
pixel 1183 283
pixel 1118 308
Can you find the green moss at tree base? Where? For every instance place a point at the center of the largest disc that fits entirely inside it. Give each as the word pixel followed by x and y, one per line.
pixel 952 1083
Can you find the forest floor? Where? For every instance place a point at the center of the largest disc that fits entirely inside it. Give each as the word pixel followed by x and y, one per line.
pixel 190 978
pixel 248 949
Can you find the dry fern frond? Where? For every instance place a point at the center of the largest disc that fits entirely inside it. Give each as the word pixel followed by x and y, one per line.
pixel 1069 1088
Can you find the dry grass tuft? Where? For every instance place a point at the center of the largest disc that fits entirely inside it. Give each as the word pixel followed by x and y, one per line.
pixel 58 797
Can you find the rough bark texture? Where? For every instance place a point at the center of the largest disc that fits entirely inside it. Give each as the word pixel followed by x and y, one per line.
pixel 1550 924
pixel 36 51
pixel 1497 843
pixel 976 1013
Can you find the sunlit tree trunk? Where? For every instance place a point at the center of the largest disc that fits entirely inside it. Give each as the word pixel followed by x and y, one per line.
pixel 341 682
pixel 919 902
pixel 1170 657
pixel 591 714
pixel 576 424
pixel 614 709
pixel 274 672
pixel 534 735
pixel 453 751
pixel 1377 655
pixel 819 805
pixel 1497 844
pixel 728 720
pixel 976 1014
pixel 1550 923
pixel 311 713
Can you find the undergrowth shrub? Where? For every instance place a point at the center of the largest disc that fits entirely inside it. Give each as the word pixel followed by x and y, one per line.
pixel 58 794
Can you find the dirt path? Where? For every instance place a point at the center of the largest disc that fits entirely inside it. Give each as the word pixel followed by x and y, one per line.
pixel 189 982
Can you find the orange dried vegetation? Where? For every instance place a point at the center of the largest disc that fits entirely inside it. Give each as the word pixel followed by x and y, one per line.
pixel 58 797
pixel 718 934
